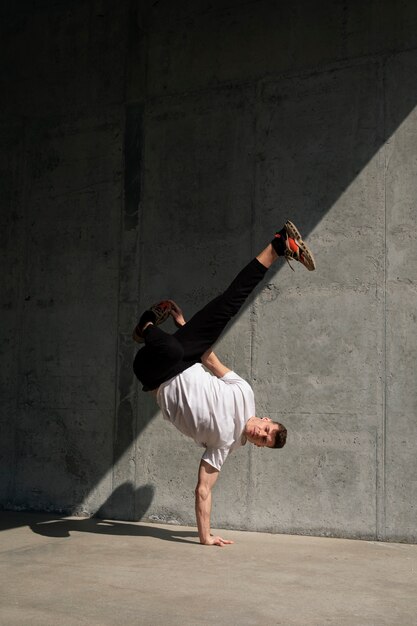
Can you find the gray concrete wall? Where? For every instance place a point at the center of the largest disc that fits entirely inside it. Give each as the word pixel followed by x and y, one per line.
pixel 148 151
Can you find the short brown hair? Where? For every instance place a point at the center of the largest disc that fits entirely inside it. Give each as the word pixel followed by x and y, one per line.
pixel 280 436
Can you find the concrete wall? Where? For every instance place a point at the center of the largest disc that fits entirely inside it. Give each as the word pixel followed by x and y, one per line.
pixel 149 150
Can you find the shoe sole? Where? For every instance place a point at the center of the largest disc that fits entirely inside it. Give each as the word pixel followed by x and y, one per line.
pixel 162 314
pixel 294 233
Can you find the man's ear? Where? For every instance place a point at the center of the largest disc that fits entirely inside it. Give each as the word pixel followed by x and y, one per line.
pixel 268 419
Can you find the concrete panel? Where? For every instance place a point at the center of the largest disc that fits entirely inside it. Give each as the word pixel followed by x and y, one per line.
pixel 321 378
pixel 67 353
pixel 318 355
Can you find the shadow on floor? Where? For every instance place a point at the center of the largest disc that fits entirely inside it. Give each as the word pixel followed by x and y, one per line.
pixel 106 520
pixel 50 525
pixel 64 527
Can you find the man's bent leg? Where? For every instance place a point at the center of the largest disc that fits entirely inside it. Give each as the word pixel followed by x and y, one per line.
pixel 159 360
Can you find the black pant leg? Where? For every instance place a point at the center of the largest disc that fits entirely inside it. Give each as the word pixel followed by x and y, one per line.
pixel 160 359
pixel 205 327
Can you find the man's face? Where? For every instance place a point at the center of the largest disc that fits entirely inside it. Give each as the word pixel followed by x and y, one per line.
pixel 261 431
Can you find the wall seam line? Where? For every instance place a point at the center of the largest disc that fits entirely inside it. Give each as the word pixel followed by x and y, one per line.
pixel 21 166
pixel 381 530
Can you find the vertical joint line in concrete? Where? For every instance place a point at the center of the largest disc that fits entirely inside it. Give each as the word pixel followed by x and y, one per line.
pixel 139 257
pixel 123 115
pixel 253 219
pixel 253 305
pixel 381 512
pixel 120 260
pixel 120 241
pixel 22 171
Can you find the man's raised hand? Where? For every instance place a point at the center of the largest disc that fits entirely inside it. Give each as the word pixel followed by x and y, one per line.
pixel 177 314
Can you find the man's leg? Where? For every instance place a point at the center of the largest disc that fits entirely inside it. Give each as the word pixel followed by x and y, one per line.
pixel 205 327
pixel 203 330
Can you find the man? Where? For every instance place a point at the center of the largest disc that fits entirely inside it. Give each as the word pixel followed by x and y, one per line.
pixel 217 411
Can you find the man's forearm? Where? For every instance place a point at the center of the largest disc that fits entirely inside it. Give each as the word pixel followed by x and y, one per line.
pixel 216 367
pixel 202 512
pixel 207 476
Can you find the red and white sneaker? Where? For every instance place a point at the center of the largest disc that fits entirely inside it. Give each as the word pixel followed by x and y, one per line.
pixel 289 243
pixel 157 314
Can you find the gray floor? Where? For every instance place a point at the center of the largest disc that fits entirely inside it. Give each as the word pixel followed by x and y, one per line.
pixel 73 571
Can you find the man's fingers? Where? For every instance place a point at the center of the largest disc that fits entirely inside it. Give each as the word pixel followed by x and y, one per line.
pixel 219 541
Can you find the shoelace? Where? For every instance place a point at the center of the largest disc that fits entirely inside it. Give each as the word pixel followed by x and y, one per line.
pixel 288 261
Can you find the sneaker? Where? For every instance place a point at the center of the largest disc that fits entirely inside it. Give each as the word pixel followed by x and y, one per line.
pixel 289 243
pixel 157 314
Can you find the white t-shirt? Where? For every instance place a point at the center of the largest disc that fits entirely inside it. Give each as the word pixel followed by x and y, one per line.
pixel 212 411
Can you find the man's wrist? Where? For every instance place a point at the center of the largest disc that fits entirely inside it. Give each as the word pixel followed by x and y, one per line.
pixel 205 540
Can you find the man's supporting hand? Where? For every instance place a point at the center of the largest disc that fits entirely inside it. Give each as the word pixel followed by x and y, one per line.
pixel 217 541
pixel 207 476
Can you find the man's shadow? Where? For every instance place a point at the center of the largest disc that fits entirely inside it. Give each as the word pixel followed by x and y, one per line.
pixel 105 524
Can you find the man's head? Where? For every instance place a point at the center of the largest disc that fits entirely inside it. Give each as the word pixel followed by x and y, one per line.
pixel 263 432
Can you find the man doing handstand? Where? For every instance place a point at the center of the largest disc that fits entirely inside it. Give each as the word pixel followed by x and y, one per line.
pixel 217 411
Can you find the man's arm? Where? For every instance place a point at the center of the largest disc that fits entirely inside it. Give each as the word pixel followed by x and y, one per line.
pixel 216 367
pixel 209 359
pixel 207 476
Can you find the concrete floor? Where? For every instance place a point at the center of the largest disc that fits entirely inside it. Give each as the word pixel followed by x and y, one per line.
pixel 71 571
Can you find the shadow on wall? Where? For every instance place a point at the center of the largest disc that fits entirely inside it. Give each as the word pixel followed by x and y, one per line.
pixel 140 498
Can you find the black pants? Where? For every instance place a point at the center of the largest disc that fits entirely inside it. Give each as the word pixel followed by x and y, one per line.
pixel 165 355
